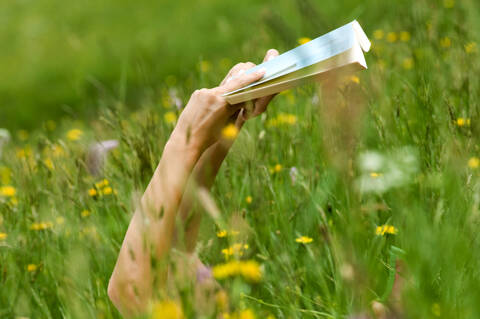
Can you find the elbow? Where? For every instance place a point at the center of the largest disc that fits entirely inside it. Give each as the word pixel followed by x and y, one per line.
pixel 123 297
pixel 112 292
pixel 118 296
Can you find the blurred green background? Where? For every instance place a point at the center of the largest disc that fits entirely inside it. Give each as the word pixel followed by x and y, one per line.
pixel 62 58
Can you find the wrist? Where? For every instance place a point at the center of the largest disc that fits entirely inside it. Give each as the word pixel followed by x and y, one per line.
pixel 180 143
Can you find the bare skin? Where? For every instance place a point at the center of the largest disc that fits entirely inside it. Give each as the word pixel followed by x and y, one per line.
pixel 191 158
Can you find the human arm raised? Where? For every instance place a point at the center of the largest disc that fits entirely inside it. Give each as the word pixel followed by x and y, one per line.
pixel 149 234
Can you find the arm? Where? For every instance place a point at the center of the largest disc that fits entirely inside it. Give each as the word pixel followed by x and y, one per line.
pixel 148 238
pixel 211 160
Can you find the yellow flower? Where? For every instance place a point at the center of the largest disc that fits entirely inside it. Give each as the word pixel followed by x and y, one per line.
pixel 57 151
pixel 41 226
pixel 102 183
pixel 282 118
pixel 85 213
pixel 222 234
pixel 3 236
pixel 277 168
pixel 304 40
pixel 48 163
pixel 235 249
pixel 474 162
pixel 74 134
pixel 166 310
pixel 375 174
pixel 378 34
pixel 445 42
pixel 7 191
pixel 462 121
pixel 392 37
pixel 248 199
pixel 24 152
pixel 407 63
pixel 304 240
pixel 249 270
pixel 448 3
pixel 170 117
pixel 107 190
pixel 226 270
pixel 227 252
pixel 60 220
pixel 244 314
pixel 471 47
pixel 405 36
pixel 230 131
pixel 20 153
pixel 386 229
pixel 31 267
pixel 92 192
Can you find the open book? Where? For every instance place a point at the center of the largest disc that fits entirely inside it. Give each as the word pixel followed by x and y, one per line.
pixel 338 52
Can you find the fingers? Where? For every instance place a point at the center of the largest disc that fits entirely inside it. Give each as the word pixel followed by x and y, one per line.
pixel 239 68
pixel 241 80
pixel 270 55
pixel 236 70
pixel 261 104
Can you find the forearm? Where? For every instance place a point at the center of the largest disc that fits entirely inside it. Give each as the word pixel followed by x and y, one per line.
pixel 149 234
pixel 203 176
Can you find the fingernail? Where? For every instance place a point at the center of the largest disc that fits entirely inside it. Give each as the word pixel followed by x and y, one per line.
pixel 272 53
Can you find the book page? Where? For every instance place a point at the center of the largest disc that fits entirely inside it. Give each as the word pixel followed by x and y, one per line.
pixel 348 61
pixel 319 49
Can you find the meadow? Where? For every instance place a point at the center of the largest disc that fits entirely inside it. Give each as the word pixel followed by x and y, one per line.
pixel 355 200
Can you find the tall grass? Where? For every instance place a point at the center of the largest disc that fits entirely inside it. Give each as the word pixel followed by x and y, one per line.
pixel 395 145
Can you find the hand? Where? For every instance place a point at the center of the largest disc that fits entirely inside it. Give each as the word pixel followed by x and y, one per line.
pixel 207 112
pixel 248 109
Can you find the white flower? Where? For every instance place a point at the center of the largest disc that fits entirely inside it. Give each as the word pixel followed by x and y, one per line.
pixel 371 161
pixel 381 172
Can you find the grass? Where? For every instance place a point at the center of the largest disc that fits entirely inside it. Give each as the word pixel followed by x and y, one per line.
pixel 395 145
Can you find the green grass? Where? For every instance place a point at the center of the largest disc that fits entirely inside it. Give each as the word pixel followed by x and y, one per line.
pixel 399 122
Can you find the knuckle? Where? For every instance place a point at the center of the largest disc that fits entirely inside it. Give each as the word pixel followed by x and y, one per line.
pixel 209 95
pixel 201 94
pixel 237 66
pixel 272 51
pixel 196 93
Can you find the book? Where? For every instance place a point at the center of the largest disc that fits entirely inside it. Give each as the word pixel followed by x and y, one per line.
pixel 339 52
